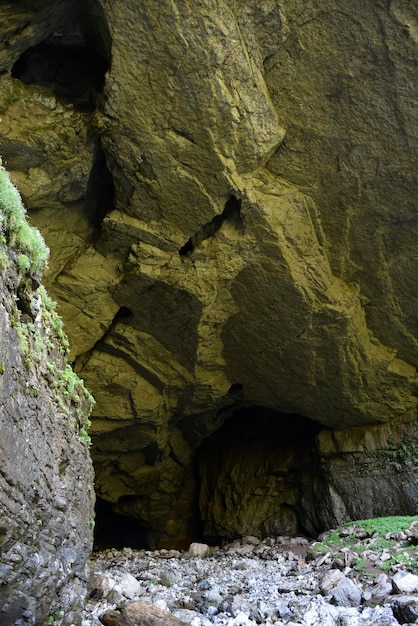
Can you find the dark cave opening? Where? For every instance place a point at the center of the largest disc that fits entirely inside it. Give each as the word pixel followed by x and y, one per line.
pixel 256 475
pixel 115 530
pixel 99 196
pixel 72 62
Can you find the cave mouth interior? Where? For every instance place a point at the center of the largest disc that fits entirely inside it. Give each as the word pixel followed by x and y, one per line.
pixel 73 62
pixel 254 475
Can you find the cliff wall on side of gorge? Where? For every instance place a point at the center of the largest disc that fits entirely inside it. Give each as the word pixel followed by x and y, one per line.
pixel 46 474
pixel 229 194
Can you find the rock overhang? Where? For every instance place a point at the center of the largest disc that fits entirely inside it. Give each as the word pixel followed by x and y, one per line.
pixel 262 302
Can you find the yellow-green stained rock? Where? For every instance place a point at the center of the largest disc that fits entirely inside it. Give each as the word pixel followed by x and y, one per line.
pixel 252 238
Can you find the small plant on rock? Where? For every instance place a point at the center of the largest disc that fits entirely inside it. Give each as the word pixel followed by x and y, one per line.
pixel 17 232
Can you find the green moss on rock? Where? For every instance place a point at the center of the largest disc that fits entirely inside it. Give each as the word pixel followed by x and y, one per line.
pixel 41 337
pixel 15 230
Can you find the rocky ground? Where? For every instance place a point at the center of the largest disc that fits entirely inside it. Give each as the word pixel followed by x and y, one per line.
pixel 358 575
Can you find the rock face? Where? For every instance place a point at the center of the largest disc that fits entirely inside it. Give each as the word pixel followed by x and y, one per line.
pixel 46 478
pixel 228 193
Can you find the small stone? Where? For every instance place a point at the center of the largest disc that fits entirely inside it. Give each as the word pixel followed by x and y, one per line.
pixel 385 556
pixel 96 594
pixel 114 597
pixel 412 534
pixel 323 559
pixel 129 586
pixel 161 604
pixel 381 591
pixel 331 580
pixel 212 610
pixel 241 620
pixel 405 583
pixel 212 596
pixel 254 541
pixel 200 550
pixel 346 594
pixel 103 583
pixel 298 541
pixel 166 580
pixel 283 610
pixel 269 541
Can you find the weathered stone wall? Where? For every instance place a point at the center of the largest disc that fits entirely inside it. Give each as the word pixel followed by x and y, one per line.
pixel 231 220
pixel 365 472
pixel 46 475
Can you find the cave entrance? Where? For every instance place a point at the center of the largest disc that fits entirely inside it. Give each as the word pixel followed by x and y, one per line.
pixel 256 475
pixel 71 62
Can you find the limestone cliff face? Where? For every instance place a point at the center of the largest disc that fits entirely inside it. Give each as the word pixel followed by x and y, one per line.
pixel 229 195
pixel 46 477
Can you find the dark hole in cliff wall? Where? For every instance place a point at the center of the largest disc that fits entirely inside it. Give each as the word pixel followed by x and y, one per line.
pixel 99 196
pixel 256 475
pixel 72 62
pixel 115 530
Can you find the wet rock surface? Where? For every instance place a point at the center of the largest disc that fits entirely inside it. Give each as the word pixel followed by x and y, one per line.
pixel 277 580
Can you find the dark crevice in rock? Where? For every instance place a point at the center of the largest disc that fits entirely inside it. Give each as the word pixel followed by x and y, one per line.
pixel 99 196
pixel 72 62
pixel 235 388
pixel 231 212
pixel 116 530
pixel 123 313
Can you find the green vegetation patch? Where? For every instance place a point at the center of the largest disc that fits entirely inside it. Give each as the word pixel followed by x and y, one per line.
pixel 16 232
pixel 375 545
pixel 378 528
pixel 40 333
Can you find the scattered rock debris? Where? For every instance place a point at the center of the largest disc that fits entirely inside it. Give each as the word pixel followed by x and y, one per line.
pixel 278 580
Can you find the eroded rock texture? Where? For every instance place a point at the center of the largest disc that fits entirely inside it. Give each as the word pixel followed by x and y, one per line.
pixel 231 212
pixel 46 475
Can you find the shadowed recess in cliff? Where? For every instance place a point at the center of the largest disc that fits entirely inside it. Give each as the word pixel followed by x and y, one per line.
pixel 254 473
pixel 116 530
pixel 71 62
pixel 231 213
pixel 170 315
pixel 99 196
